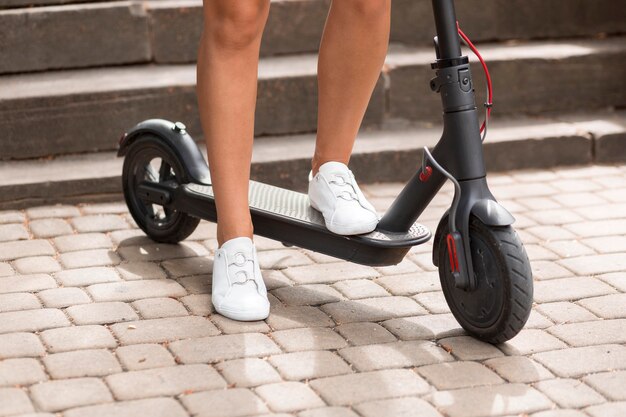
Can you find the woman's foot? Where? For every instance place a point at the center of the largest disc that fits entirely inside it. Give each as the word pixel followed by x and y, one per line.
pixel 238 291
pixel 334 192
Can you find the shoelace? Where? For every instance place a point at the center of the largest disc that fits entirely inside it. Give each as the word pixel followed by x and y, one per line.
pixel 240 260
pixel 345 194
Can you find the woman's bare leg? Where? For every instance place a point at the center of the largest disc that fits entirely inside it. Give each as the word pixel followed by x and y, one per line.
pixel 352 52
pixel 226 87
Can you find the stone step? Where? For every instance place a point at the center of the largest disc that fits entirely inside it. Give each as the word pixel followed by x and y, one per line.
pixel 389 154
pixel 167 31
pixel 63 112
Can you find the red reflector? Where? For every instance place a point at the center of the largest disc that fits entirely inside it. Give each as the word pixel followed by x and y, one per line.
pixel 122 138
pixel 454 259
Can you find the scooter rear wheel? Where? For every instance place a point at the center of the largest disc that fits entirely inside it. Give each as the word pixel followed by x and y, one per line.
pixel 499 307
pixel 149 160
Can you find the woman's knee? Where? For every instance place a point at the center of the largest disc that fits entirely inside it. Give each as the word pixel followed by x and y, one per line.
pixel 369 9
pixel 235 24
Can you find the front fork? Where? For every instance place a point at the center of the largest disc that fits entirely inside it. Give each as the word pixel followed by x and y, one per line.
pixel 458 153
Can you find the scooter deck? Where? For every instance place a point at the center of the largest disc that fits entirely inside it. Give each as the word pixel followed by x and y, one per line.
pixel 287 216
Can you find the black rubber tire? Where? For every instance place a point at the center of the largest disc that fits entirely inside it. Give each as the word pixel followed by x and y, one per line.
pixel 180 225
pixel 499 307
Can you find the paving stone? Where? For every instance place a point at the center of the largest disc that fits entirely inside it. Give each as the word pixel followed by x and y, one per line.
pixel 163 330
pixel 569 393
pixel 406 266
pixel 607 244
pixel 196 284
pixel 299 366
pixel 24 249
pixel 503 399
pixel 357 388
pixel 275 279
pixel 365 333
pixel 307 295
pixel 219 348
pixel 81 363
pixel 166 381
pixel 518 369
pixel 576 362
pixel 559 413
pixel 14 401
pixel 289 396
pixel 582 199
pixel 282 258
pixel 105 208
pixel 99 223
pixel 530 341
pixel 329 273
pixel 591 333
pixel 433 301
pixel 615 409
pixel 15 372
pixel 198 304
pixel 36 265
pixel 86 276
pixel 314 338
pixel 565 312
pixel 78 337
pixel 227 403
pixel 188 266
pixel 228 326
pixel 18 301
pixel 467 348
pixel 597 228
pixel 360 288
pixel 130 237
pixel 394 355
pixel 131 271
pixel 569 289
pixel 248 372
pixel 372 309
pixel 135 290
pixel 608 307
pixel 147 356
pixel 11 232
pixel 6 270
pixel 616 280
pixel 153 407
pixel 23 283
pixel 156 308
pixel 162 251
pixel 537 320
pixel 15 345
pixel 89 258
pixel 290 317
pixel 609 384
pixel 410 284
pixel 83 241
pixel 549 270
pixel 11 217
pixel 48 212
pixel 569 248
pixel 63 297
pixel 446 376
pixel 595 264
pixel 101 313
pixel 424 327
pixel 328 412
pixel 397 407
pixel 47 228
pixel 555 216
pixel 32 320
pixel 68 393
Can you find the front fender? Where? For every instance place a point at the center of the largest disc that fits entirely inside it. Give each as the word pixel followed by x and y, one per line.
pixel 177 138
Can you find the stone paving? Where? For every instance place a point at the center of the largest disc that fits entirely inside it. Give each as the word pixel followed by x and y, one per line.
pixel 97 320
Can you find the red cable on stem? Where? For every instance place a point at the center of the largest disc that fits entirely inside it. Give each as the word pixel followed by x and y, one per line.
pixel 484 65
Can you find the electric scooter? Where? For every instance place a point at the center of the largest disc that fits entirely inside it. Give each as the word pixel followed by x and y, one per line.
pixel 483 267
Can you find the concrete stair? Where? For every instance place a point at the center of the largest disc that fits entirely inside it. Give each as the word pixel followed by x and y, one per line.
pixel 76 74
pixel 62 112
pixel 390 154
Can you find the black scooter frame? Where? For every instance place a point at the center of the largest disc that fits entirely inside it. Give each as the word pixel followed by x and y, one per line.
pixel 459 151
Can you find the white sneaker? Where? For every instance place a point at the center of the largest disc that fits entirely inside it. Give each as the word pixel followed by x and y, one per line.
pixel 335 193
pixel 238 290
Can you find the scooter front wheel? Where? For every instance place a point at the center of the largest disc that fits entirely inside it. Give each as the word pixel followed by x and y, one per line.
pixel 150 160
pixel 498 308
